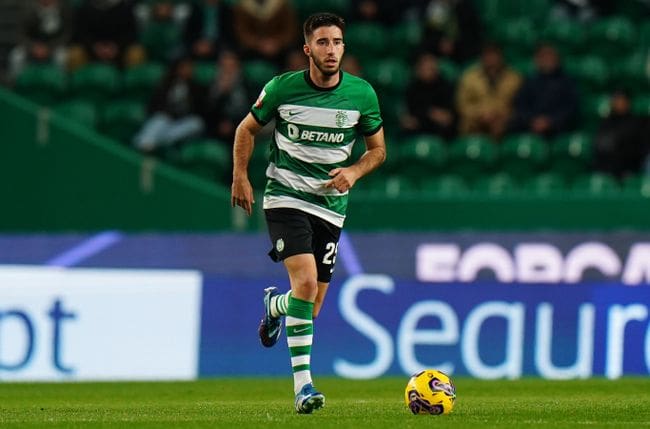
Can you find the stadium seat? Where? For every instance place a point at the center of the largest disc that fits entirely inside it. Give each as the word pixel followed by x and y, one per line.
pixel 499 184
pixel 449 69
pixel 447 185
pixel 259 72
pixel 517 35
pixel 472 157
pixel 206 157
pixel 43 84
pixel 141 80
pixel 524 155
pixel 596 184
pixel 307 7
pixel 637 185
pixel 389 74
pixel 593 109
pixel 546 184
pixel 121 119
pixel 613 35
pixel 566 34
pixel 571 155
pixel 205 72
pixel 80 111
pixel 632 72
pixel 641 104
pixel 160 39
pixel 422 156
pixel 392 186
pixel 405 36
pixel 95 82
pixel 366 40
pixel 590 71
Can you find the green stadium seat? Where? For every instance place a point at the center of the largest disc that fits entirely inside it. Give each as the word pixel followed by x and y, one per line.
pixel 449 69
pixel 307 7
pixel 596 184
pixel 546 184
pixel 571 155
pixel 140 81
pixel 499 184
pixel 566 34
pixel 472 157
pixel 613 35
pixel 593 109
pixel 205 72
pixel 392 186
pixel 208 158
pixel 637 185
pixel 644 35
pixel 259 72
pixel 632 72
pixel 523 64
pixel 80 111
pixel 641 104
pixel 590 71
pixel 121 119
pixel 517 35
pixel 160 39
pixel 96 82
pixel 43 84
pixel 405 36
pixel 524 155
pixel 390 74
pixel 446 185
pixel 366 40
pixel 422 156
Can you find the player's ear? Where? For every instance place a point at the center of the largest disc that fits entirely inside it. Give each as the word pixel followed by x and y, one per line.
pixel 305 49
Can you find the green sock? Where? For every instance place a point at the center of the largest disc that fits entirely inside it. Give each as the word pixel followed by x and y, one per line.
pixel 300 330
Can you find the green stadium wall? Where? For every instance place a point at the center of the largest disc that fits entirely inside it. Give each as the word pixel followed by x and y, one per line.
pixel 56 175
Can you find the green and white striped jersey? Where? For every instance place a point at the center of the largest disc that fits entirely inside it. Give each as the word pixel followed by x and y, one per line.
pixel 315 129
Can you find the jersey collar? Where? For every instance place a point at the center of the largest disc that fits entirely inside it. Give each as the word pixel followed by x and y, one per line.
pixel 320 88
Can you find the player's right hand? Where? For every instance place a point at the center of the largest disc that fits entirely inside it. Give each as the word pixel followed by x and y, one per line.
pixel 242 195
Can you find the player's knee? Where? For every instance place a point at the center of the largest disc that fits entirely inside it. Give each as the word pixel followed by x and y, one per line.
pixel 306 288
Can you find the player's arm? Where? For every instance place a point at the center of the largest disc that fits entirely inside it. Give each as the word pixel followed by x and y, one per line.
pixel 344 178
pixel 241 190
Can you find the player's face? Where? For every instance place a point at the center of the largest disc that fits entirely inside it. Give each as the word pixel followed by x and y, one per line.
pixel 325 48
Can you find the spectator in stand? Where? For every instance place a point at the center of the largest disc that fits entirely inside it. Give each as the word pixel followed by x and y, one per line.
pixel 208 30
pixel 228 99
pixel 485 94
pixel 429 101
pixel 452 29
pixel 45 34
pixel 622 142
pixel 547 103
pixel 162 24
pixel 106 32
pixel 265 28
pixel 175 109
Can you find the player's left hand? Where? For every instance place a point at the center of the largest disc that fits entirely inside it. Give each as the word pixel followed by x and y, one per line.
pixel 342 179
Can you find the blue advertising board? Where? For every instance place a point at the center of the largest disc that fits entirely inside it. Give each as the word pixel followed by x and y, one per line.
pixel 373 325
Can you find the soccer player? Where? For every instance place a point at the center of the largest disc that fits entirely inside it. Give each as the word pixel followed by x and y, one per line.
pixel 318 112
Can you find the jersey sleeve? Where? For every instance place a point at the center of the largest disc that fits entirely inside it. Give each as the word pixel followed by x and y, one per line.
pixel 265 107
pixel 370 121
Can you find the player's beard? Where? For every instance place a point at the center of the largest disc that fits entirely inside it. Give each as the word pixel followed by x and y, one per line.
pixel 320 65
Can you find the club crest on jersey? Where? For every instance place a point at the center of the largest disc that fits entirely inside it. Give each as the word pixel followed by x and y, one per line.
pixel 341 118
pixel 279 245
pixel 260 98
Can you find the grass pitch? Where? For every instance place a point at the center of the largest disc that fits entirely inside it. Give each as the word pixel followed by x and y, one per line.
pixel 376 404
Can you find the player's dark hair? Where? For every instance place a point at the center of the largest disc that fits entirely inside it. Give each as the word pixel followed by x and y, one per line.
pixel 323 19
